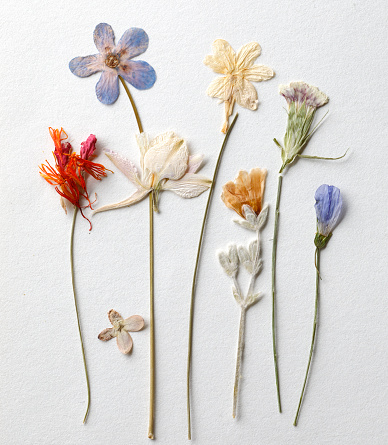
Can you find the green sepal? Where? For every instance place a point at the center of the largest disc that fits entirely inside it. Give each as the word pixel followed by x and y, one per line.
pixel 320 241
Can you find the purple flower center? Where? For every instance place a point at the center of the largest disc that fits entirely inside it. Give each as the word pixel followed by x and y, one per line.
pixel 112 60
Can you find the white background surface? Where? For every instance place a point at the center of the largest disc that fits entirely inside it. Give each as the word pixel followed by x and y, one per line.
pixel 338 46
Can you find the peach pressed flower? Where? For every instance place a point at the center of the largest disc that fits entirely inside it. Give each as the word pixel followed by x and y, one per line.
pixel 246 190
pixel 121 329
pixel 70 169
pixel 238 72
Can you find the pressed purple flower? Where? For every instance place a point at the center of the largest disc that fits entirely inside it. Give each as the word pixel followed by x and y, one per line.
pixel 302 92
pixel 328 207
pixel 115 60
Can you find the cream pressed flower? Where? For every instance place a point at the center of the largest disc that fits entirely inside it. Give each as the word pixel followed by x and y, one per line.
pixel 121 329
pixel 238 73
pixel 165 165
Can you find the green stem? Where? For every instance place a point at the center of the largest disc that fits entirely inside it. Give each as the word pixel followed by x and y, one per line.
pixel 152 324
pixel 133 104
pixel 317 255
pixel 274 246
pixel 152 318
pixel 240 349
pixel 193 287
pixel 76 308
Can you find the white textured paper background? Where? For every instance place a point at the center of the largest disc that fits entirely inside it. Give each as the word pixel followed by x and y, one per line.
pixel 338 46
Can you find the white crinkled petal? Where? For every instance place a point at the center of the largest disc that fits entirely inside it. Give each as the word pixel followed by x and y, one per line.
pixel 219 88
pixel 167 156
pixel 245 94
pixel 223 60
pixel 124 341
pixel 195 162
pixel 247 55
pixel 143 143
pixel 190 185
pixel 258 73
pixel 133 199
pixel 125 166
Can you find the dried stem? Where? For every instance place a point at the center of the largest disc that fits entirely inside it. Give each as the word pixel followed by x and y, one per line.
pixel 274 246
pixel 152 324
pixel 317 255
pixel 151 434
pixel 76 308
pixel 240 349
pixel 133 104
pixel 191 317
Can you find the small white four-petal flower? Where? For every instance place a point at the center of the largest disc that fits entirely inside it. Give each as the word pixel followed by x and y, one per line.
pixel 121 329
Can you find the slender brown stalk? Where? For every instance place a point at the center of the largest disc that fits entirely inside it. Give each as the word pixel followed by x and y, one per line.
pixel 193 287
pixel 151 434
pixel 76 308
pixel 317 252
pixel 152 324
pixel 133 104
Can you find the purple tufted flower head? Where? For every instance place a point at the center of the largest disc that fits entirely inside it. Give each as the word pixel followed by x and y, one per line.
pixel 328 207
pixel 115 60
pixel 303 100
pixel 302 92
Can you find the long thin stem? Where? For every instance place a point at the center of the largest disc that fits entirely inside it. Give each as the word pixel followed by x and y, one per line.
pixel 151 434
pixel 317 255
pixel 152 324
pixel 193 287
pixel 133 104
pixel 240 348
pixel 76 308
pixel 274 246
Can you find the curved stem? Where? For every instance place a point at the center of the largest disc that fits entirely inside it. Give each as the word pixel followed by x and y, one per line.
pixel 274 246
pixel 76 308
pixel 317 252
pixel 152 324
pixel 240 349
pixel 191 317
pixel 133 104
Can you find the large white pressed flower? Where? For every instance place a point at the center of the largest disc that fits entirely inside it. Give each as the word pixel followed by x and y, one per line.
pixel 239 72
pixel 165 165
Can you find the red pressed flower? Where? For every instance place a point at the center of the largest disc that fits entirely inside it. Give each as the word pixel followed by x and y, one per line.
pixel 70 170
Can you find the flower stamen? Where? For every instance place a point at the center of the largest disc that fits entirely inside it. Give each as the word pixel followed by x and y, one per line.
pixel 112 60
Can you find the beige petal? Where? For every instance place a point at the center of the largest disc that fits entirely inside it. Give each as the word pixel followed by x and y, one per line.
pixel 224 59
pixel 114 316
pixel 190 186
pixel 247 55
pixel 143 143
pixel 245 94
pixel 258 73
pixel 124 341
pixel 167 157
pixel 106 334
pixel 133 323
pixel 219 87
pixel 195 162
pixel 125 166
pixel 133 199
